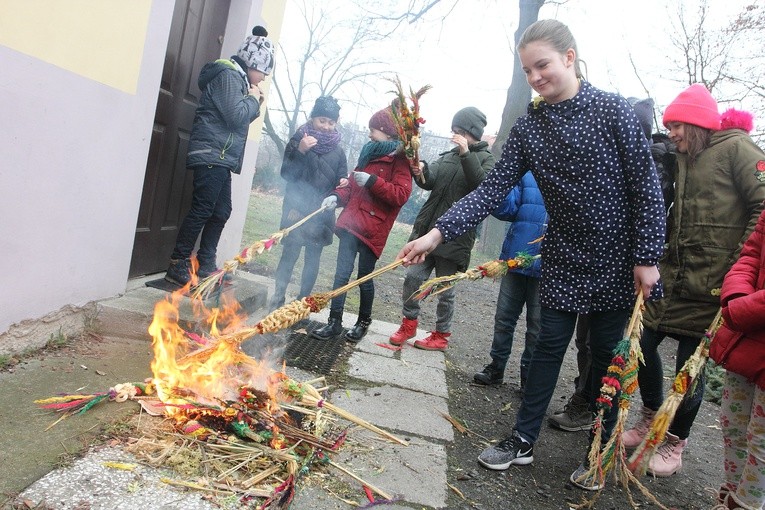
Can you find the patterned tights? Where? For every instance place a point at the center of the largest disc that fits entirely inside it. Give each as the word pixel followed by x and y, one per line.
pixel 742 417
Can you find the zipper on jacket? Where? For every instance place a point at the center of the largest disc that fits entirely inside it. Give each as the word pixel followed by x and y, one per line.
pixel 227 145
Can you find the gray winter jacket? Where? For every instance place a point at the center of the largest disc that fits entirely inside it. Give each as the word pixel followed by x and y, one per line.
pixel 223 117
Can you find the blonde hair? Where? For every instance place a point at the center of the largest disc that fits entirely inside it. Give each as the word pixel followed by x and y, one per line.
pixel 556 34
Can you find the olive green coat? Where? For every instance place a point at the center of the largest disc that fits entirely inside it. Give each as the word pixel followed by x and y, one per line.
pixel 449 178
pixel 717 203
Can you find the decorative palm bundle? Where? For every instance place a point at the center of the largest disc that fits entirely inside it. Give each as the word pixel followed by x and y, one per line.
pixel 255 445
pixel 408 121
pixel 286 315
pixel 685 380
pixel 493 269
pixel 80 403
pixel 621 380
pixel 207 285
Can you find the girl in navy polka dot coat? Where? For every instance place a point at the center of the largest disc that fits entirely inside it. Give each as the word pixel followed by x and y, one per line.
pixel 593 165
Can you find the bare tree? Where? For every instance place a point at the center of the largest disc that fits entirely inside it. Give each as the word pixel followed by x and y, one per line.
pixel 721 57
pixel 518 97
pixel 414 13
pixel 332 58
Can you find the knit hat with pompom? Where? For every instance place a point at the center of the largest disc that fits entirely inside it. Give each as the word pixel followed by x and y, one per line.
pixel 257 51
pixel 383 120
pixel 326 106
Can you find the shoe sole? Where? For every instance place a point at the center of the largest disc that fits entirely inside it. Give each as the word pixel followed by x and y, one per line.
pixel 424 348
pixel 484 383
pixel 591 488
pixel 660 475
pixel 399 344
pixel 520 461
pixel 566 428
pixel 326 337
pixel 174 281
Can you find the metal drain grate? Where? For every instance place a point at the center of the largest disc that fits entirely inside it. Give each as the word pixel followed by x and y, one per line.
pixel 311 354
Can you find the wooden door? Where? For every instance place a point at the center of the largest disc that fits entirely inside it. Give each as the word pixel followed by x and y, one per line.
pixel 196 36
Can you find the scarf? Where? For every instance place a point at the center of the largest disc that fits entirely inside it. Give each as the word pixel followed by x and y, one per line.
pixel 326 141
pixel 373 150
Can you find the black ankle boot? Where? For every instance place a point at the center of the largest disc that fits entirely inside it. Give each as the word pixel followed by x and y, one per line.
pixel 357 332
pixel 179 271
pixel 490 375
pixel 333 328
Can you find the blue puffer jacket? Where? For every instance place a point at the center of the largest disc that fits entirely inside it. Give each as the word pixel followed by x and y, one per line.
pixel 525 208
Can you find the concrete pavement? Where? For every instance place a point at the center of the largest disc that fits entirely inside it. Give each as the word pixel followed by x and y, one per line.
pixel 402 391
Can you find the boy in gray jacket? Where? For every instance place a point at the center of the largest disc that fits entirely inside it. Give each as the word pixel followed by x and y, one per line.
pixel 230 101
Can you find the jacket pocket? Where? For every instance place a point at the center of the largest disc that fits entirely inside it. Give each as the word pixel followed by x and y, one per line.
pixel 724 341
pixel 373 216
pixel 705 268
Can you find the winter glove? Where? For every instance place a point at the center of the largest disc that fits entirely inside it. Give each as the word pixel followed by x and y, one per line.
pixel 361 178
pixel 330 202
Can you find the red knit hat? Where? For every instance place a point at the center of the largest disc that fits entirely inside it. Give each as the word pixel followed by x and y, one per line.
pixel 383 120
pixel 695 105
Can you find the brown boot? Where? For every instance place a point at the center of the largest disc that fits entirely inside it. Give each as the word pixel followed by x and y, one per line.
pixel 406 331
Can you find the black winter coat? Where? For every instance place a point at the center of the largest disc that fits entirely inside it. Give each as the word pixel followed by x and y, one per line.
pixel 310 178
pixel 223 117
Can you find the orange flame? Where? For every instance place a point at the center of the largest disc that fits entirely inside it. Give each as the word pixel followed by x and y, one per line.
pixel 210 381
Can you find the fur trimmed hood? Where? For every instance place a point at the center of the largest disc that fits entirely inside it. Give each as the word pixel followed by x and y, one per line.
pixel 737 119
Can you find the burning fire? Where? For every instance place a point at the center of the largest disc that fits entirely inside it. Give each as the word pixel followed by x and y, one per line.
pixel 219 377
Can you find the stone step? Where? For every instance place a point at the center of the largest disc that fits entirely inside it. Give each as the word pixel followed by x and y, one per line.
pixel 129 315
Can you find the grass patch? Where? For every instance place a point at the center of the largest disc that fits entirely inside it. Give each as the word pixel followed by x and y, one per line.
pixel 120 428
pixel 58 340
pixel 91 324
pixel 6 360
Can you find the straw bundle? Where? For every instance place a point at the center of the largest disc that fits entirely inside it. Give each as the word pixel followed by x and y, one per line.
pixel 685 380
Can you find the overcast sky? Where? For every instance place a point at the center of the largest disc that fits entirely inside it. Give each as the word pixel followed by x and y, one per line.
pixel 467 58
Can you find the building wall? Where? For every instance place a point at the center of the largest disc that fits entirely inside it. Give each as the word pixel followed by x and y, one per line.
pixel 271 16
pixel 77 93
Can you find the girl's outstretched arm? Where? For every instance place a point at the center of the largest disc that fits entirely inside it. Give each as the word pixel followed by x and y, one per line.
pixel 414 252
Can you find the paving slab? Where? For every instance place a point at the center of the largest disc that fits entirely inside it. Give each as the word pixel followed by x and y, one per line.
pixel 413 376
pixel 415 473
pixel 129 315
pixel 397 409
pixel 378 344
pixel 90 483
